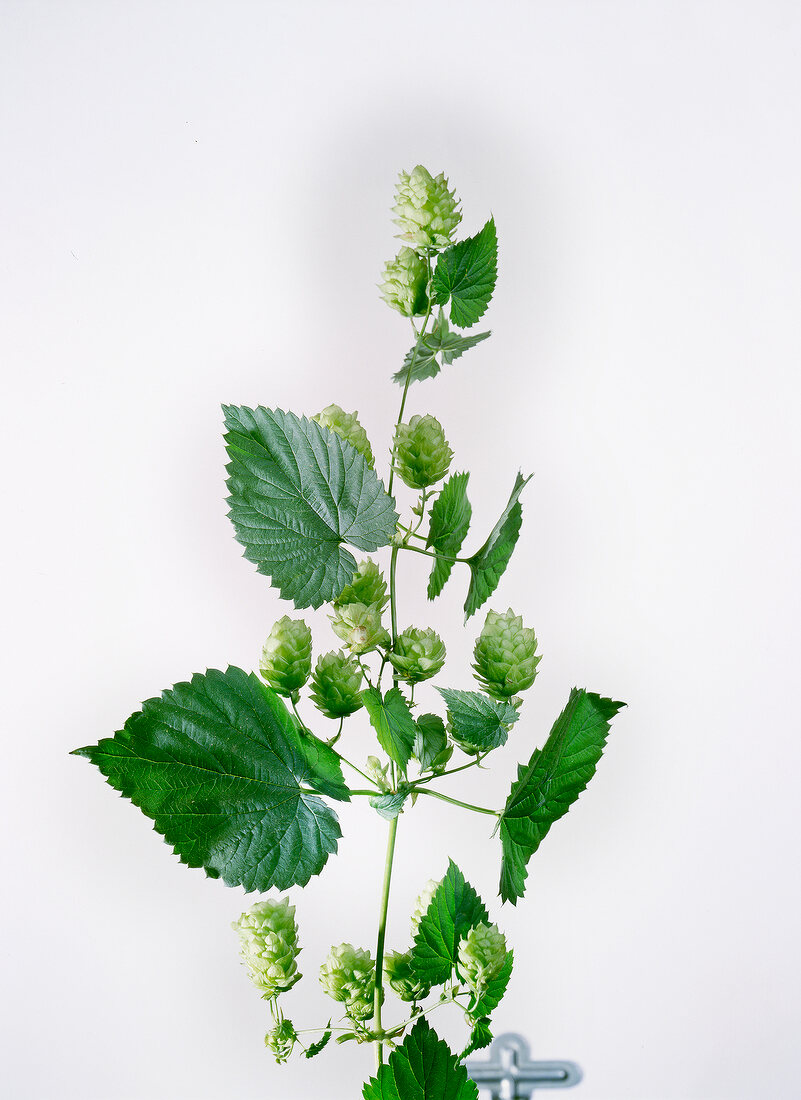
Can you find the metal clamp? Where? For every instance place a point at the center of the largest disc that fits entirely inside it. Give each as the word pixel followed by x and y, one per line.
pixel 510 1074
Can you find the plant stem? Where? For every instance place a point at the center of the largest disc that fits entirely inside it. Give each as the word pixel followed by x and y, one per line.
pixel 378 996
pixel 431 554
pixel 451 771
pixel 456 802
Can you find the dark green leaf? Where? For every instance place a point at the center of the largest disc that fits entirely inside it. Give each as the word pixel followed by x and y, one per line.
pixel 430 740
pixel 299 493
pixel 393 723
pixel 466 273
pixel 315 1048
pixel 450 520
pixel 454 910
pixel 325 770
pixel 389 805
pixel 551 782
pixel 220 768
pixel 477 720
pixel 440 341
pixel 480 1037
pixel 495 990
pixel 422 1068
pixel 487 565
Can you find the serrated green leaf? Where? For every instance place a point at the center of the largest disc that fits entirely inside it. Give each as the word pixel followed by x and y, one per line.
pixel 454 909
pixel 440 341
pixel 422 1068
pixel 480 1037
pixel 298 494
pixel 488 564
pixel 466 274
pixel 389 805
pixel 551 782
pixel 325 770
pixel 219 767
pixel 478 720
pixel 495 990
pixel 392 721
pixel 450 522
pixel 430 740
pixel 315 1048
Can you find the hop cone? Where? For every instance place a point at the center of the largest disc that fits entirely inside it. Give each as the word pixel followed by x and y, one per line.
pixel 481 955
pixel 505 655
pixel 336 685
pixel 421 905
pixel 427 211
pixel 268 945
pixel 368 587
pixel 286 656
pixel 378 772
pixel 347 427
pixel 398 968
pixel 422 455
pixel 418 655
pixel 404 284
pixel 359 627
pixel 348 975
pixel 280 1040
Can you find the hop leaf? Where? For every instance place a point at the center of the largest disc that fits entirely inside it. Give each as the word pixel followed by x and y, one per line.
pixel 427 210
pixel 359 627
pixel 505 655
pixel 348 975
pixel 482 954
pixel 347 427
pixel 421 452
pixel 337 685
pixel 405 284
pixel 286 657
pixel 268 945
pixel 422 1068
pixel 368 587
pixel 280 1040
pixel 417 655
pixel 402 979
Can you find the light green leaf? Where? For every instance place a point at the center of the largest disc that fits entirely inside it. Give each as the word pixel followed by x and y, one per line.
pixel 454 909
pixel 450 521
pixel 393 723
pixel 477 720
pixel 488 564
pixel 299 493
pixel 551 782
pixel 422 1068
pixel 496 988
pixel 466 273
pixel 219 766
pixel 430 742
pixel 440 341
pixel 389 805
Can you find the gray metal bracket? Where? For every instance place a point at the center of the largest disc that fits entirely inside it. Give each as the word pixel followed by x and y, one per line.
pixel 509 1073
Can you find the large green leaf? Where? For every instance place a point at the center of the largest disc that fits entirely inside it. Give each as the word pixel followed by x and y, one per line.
pixel 488 564
pixel 476 720
pixel 423 1067
pixel 298 494
pixel 450 521
pixel 440 341
pixel 392 721
pixel 466 273
pixel 551 782
pixel 454 909
pixel 223 772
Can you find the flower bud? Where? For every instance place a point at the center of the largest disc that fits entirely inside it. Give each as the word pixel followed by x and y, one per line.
pixel 286 656
pixel 482 953
pixel 348 975
pixel 505 655
pixel 405 284
pixel 336 685
pixel 427 211
pixel 421 452
pixel 268 945
pixel 280 1040
pixel 347 427
pixel 417 655
pixel 401 977
pixel 421 905
pixel 378 772
pixel 368 587
pixel 359 627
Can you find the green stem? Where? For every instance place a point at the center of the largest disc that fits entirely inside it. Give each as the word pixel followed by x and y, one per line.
pixel 456 802
pixel 451 771
pixel 378 996
pixel 431 554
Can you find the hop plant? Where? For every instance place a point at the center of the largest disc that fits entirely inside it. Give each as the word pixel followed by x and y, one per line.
pixel 423 901
pixel 421 453
pixel 268 945
pixel 417 655
pixel 347 427
pixel 359 627
pixel 378 772
pixel 482 953
pixel 401 977
pixel 286 656
pixel 368 587
pixel 505 655
pixel 336 685
pixel 280 1040
pixel 427 210
pixel 405 283
pixel 348 975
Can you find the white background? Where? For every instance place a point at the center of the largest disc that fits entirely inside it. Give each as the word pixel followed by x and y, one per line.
pixel 195 204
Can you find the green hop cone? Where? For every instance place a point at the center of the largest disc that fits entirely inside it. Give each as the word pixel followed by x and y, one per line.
pixel 417 655
pixel 359 627
pixel 281 1039
pixel 426 209
pixel 268 945
pixel 401 977
pixel 505 655
pixel 482 953
pixel 336 685
pixel 286 657
pixel 378 772
pixel 421 905
pixel 348 975
pixel 404 284
pixel 368 587
pixel 347 427
pixel 421 452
